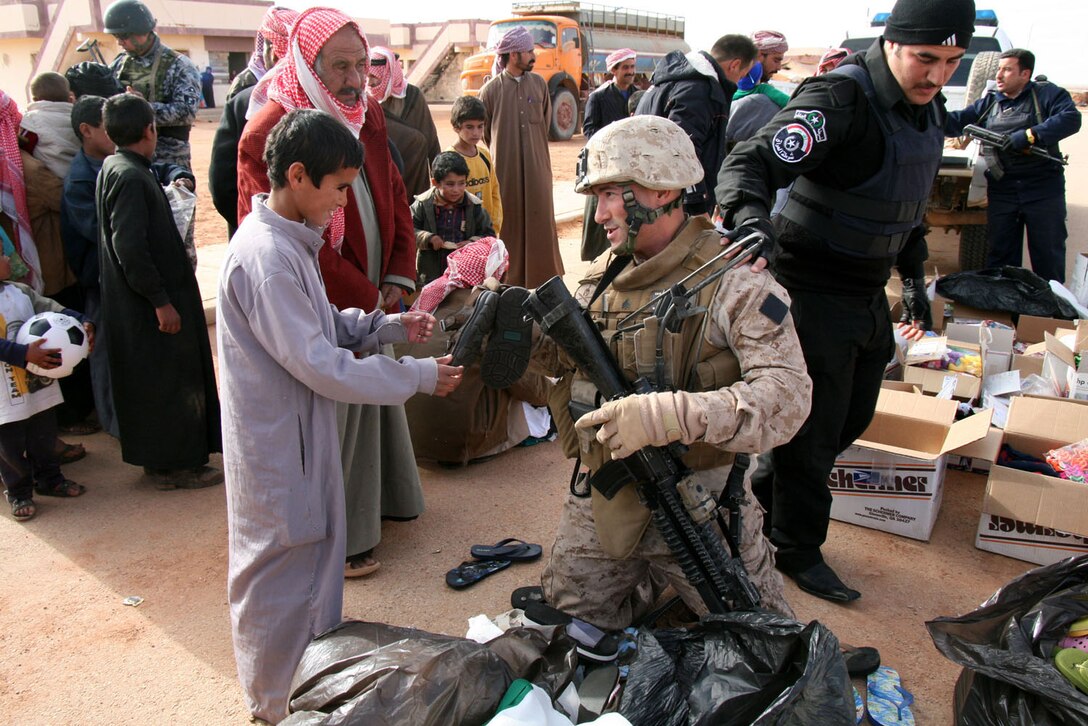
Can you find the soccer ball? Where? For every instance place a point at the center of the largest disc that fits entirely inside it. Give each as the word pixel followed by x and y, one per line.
pixel 60 331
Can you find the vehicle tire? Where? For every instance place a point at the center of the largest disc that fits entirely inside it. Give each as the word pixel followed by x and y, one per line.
pixel 564 120
pixel 973 247
pixel 983 70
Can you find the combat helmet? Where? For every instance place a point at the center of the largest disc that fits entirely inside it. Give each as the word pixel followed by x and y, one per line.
pixel 128 17
pixel 650 151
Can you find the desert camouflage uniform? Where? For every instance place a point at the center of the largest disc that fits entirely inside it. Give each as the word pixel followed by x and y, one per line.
pixel 762 410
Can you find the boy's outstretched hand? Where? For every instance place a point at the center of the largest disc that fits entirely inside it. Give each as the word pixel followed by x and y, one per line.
pixel 449 377
pixel 41 356
pixel 419 326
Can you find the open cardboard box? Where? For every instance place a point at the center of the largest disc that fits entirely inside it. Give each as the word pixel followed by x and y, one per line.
pixel 1029 516
pixel 891 478
pixel 932 381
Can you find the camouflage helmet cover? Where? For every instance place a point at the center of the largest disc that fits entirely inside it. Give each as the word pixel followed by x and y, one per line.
pixel 128 17
pixel 648 150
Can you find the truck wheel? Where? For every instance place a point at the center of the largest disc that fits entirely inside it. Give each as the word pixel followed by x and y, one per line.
pixel 564 121
pixel 973 247
pixel 983 70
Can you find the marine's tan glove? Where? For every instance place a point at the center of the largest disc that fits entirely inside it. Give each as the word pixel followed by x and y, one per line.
pixel 652 419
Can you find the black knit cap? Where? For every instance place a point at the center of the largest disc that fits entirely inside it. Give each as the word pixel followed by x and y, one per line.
pixel 931 22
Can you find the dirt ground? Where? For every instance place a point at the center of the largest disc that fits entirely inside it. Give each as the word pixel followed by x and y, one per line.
pixel 71 652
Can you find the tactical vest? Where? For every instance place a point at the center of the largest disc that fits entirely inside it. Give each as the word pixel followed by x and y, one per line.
pixel 690 361
pixel 874 219
pixel 1018 117
pixel 149 81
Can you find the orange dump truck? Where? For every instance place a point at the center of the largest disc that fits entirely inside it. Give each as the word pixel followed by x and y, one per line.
pixel 572 41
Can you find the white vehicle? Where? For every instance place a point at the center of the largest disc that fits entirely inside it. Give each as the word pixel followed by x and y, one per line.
pixel 987 38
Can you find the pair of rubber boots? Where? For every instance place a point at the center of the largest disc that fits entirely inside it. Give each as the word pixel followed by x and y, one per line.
pixel 500 320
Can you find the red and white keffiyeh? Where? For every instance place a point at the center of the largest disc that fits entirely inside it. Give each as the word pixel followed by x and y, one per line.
pixel 13 187
pixel 386 67
pixel 619 56
pixel 770 41
pixel 466 267
pixel 294 84
pixel 274 32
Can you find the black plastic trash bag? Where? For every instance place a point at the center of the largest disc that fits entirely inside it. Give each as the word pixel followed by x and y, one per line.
pixel 383 675
pixel 739 668
pixel 1010 289
pixel 1005 646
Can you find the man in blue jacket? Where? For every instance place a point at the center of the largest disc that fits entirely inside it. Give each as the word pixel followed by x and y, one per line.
pixel 1024 190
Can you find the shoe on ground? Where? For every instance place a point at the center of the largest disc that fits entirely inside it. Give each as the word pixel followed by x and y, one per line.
pixel 470 340
pixel 195 478
pixel 820 580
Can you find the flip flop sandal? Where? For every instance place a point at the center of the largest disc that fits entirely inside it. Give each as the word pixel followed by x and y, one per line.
pixel 596 690
pixel 510 548
pixel 469 573
pixel 522 596
pixel 859 706
pixel 886 699
pixel 71 453
pixel 361 568
pixel 508 347
pixel 860 662
pixel 470 341
pixel 1071 663
pixel 65 489
pixel 30 509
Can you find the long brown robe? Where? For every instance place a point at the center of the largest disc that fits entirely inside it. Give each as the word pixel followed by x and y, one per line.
pixel 410 126
pixel 516 131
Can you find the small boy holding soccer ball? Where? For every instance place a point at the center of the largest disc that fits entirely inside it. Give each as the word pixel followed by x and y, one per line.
pixel 29 461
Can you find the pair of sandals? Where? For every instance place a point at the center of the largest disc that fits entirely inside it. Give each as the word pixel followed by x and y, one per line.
pixel 489 559
pixel 24 508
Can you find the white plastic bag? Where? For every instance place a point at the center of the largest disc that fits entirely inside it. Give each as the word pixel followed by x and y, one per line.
pixel 182 206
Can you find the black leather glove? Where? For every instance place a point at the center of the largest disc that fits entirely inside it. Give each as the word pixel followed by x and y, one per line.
pixel 916 304
pixel 761 225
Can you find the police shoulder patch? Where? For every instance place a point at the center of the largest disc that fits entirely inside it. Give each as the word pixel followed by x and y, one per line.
pixel 793 142
pixel 816 121
pixel 774 308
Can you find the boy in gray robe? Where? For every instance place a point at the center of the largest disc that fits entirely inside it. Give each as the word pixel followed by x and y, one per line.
pixel 286 356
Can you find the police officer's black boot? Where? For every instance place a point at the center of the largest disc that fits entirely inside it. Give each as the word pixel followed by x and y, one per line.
pixel 813 575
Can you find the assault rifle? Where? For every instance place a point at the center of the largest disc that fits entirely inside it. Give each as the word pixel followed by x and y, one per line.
pixel 658 472
pixel 1002 142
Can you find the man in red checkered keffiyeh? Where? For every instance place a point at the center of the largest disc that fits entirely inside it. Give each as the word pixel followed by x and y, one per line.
pixel 370 260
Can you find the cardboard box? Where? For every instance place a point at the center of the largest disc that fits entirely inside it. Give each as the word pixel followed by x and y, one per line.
pixel 1026 541
pixel 1078 284
pixel 933 382
pixel 1030 516
pixel 891 479
pixel 977 456
pixel 1033 329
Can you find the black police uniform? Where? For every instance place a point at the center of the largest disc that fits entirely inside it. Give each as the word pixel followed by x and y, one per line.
pixel 853 144
pixel 1025 190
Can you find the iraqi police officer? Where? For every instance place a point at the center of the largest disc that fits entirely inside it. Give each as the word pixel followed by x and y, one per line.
pixel 168 80
pixel 734 380
pixel 1024 190
pixel 861 146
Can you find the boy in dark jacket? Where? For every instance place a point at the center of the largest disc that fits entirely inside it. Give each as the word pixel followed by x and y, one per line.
pixel 445 217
